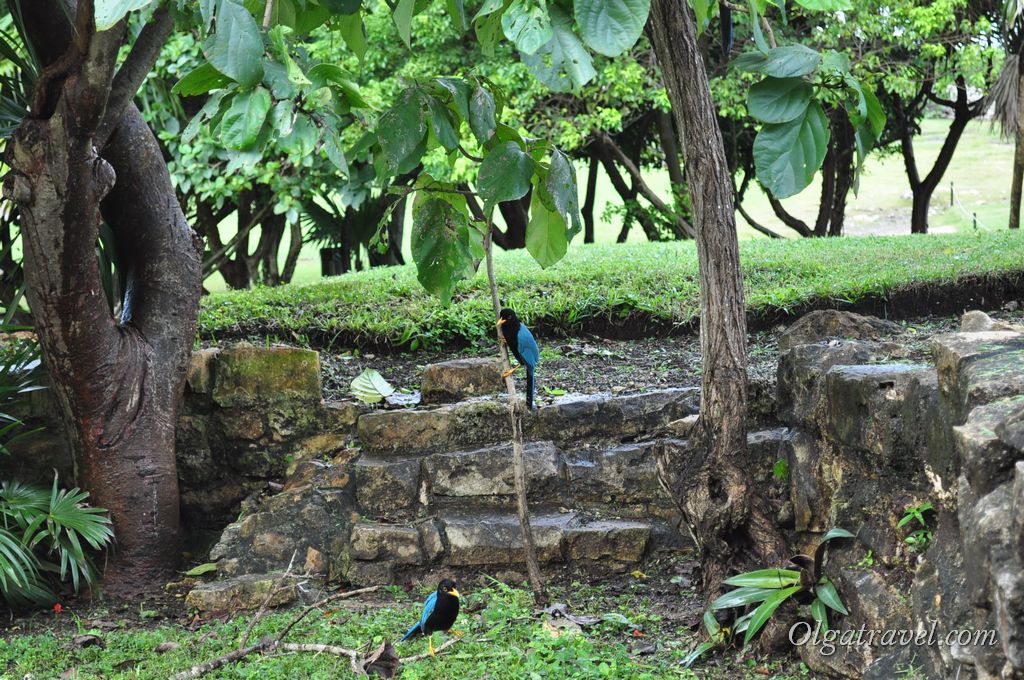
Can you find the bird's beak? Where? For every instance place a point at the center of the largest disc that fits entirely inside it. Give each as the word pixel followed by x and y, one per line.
pixel 453 592
pixel 501 322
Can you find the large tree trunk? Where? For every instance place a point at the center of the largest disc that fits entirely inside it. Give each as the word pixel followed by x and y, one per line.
pixel 118 381
pixel 731 522
pixel 1018 154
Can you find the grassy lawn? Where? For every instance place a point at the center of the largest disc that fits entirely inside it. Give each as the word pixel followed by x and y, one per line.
pixel 641 283
pixel 503 639
pixel 979 173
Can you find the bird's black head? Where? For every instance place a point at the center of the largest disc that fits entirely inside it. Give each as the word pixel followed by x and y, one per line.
pixel 508 322
pixel 447 587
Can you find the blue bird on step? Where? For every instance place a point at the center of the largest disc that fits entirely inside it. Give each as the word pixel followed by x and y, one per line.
pixel 439 613
pixel 520 340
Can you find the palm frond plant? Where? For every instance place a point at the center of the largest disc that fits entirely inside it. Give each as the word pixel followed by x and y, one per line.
pixel 765 590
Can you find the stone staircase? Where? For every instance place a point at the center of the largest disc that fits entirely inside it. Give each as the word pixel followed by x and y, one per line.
pixel 433 486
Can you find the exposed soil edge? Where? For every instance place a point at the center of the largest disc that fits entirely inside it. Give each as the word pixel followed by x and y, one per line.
pixel 911 301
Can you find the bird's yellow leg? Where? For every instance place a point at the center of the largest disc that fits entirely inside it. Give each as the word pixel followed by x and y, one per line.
pixel 430 644
pixel 456 633
pixel 510 371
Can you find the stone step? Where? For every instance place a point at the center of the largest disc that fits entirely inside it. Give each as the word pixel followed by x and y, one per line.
pixel 492 539
pixel 484 422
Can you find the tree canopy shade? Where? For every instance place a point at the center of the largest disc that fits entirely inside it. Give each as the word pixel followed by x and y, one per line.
pixel 83 150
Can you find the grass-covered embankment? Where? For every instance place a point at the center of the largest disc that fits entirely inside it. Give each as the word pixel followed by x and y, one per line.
pixel 629 289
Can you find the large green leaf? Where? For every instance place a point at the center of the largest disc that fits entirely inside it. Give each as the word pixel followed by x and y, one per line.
pixel 352 31
pixel 546 237
pixel 779 100
pixel 243 121
pixel 440 245
pixel 561 186
pixel 564 63
pixel 610 27
pixel 828 594
pixel 741 597
pixel 401 130
pixel 322 74
pixel 371 387
pixel 200 80
pixel 820 613
pixel 236 49
pixel 766 609
pixel 301 141
pixel 403 20
pixel 787 155
pixel 526 23
pixel 109 12
pixel 504 174
pixel 342 6
pixel 788 61
pixel 445 129
pixel 765 578
pixel 481 114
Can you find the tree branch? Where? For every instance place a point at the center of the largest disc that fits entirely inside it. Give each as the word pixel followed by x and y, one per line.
pixel 136 67
pixel 797 225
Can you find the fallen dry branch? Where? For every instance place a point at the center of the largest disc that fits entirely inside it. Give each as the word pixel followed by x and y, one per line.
pixel 437 650
pixel 269 643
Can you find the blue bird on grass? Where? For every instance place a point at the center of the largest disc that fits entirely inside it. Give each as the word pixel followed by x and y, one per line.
pixel 439 613
pixel 520 340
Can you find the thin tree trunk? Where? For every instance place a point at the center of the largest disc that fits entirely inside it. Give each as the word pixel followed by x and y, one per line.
pixel 670 147
pixel 294 249
pixel 731 520
pixel 118 382
pixel 515 410
pixel 1018 153
pixel 588 200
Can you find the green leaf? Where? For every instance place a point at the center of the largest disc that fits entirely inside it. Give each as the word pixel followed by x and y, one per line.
pixel 701 8
pixel 236 49
pixel 371 387
pixel 504 175
pixel 207 568
pixel 526 23
pixel 766 609
pixel 200 80
pixel 301 142
pixel 838 62
pixel 457 12
pixel 610 27
pixel 564 63
pixel 765 578
pixel 741 597
pixel 311 18
pixel 836 532
pixel 787 155
pixel 403 20
pixel 401 130
pixel 698 651
pixel 827 593
pixel 561 186
pixel 208 111
pixel 440 245
pixel 481 114
pixel 342 6
pixel 322 74
pixel 789 61
pixel 459 89
pixel 546 238
pixel 825 5
pixel 711 624
pixel 353 32
pixel 442 124
pixel 820 613
pixel 779 100
pixel 244 120
pixel 109 12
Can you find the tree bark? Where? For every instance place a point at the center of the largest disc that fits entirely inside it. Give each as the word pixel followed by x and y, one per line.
pixel 730 520
pixel 1018 154
pixel 118 381
pixel 588 200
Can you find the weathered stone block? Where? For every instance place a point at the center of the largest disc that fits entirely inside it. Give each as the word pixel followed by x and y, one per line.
pixel 386 486
pixel 976 321
pixel 978 368
pixel 415 430
pixel 802 370
pixel 201 367
pixel 392 542
pixel 616 540
pixel 242 593
pixel 1011 429
pixel 627 474
pixel 496 539
pixel 459 379
pixel 802 455
pixel 489 472
pixel 246 375
pixel 832 323
pixel 986 460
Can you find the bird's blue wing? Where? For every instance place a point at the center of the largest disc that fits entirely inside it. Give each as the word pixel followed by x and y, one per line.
pixel 528 346
pixel 428 608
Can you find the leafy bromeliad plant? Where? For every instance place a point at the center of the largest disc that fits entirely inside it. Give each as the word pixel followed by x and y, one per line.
pixel 768 589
